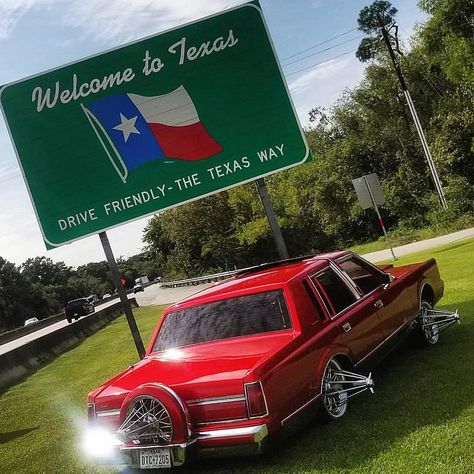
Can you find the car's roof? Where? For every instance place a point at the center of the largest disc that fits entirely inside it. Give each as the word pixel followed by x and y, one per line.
pixel 260 278
pixel 77 300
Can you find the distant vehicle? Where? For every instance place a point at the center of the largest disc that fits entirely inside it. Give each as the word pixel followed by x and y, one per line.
pixel 233 366
pixel 107 295
pixel 92 299
pixel 158 279
pixel 143 280
pixel 138 287
pixel 77 308
pixel 30 321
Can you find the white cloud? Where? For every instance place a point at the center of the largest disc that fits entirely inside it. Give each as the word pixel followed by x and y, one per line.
pixel 124 20
pixel 116 21
pixel 324 72
pixel 11 11
pixel 323 85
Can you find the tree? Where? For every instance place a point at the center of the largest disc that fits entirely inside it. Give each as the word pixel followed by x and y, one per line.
pixel 19 299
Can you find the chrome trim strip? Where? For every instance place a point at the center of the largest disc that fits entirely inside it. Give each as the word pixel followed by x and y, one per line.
pixel 180 403
pixel 151 446
pixel 302 407
pixel 213 400
pixel 406 323
pixel 258 432
pixel 104 413
pixel 205 423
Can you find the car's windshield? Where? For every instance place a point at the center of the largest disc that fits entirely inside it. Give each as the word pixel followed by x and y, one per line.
pixel 233 317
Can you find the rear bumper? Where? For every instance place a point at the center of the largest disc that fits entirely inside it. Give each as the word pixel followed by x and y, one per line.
pixel 242 441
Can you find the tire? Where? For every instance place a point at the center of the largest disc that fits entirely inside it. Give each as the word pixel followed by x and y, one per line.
pixel 425 336
pixel 334 406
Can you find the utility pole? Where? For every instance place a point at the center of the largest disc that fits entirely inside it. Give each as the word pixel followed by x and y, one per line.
pixel 411 106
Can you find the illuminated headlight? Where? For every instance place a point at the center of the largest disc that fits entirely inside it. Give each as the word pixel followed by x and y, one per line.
pixel 100 443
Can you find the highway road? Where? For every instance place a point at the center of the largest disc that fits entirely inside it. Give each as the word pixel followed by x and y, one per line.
pixel 152 296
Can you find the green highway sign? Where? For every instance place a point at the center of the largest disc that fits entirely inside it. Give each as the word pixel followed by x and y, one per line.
pixel 153 124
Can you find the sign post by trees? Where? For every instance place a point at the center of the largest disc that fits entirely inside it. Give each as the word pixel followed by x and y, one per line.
pixel 370 194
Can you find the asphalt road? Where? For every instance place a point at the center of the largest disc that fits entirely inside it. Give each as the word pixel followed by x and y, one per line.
pixel 154 295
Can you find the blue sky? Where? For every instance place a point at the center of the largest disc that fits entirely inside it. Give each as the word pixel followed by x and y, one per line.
pixel 36 35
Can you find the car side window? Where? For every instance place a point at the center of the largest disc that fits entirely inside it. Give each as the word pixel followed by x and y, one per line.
pixel 334 292
pixel 363 275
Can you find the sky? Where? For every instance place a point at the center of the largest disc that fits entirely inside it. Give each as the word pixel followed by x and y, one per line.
pixel 314 41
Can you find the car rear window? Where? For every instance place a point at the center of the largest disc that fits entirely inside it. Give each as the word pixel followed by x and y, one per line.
pixel 233 317
pixel 78 302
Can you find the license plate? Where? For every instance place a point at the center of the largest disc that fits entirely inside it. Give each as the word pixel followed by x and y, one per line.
pixel 154 458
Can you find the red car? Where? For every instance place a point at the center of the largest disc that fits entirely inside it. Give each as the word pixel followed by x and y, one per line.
pixel 237 363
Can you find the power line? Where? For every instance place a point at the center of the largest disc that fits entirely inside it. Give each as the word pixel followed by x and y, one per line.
pixel 321 62
pixel 319 44
pixel 323 50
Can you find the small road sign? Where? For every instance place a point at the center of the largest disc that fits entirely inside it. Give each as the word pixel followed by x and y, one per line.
pixel 370 194
pixel 364 185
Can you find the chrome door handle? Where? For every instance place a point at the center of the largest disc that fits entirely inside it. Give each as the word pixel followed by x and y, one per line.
pixel 346 327
pixel 378 304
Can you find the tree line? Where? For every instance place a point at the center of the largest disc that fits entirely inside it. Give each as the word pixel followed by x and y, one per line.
pixel 40 287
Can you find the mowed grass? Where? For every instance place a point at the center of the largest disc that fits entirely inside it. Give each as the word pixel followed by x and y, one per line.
pixel 420 420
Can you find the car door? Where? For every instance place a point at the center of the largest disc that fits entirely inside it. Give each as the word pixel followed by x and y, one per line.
pixel 357 318
pixel 387 298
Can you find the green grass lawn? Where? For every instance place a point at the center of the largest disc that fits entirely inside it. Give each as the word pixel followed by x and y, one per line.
pixel 420 420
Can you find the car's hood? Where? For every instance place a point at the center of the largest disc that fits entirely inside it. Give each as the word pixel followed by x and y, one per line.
pixel 199 371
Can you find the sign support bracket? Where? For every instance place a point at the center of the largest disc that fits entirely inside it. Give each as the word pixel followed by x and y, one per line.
pixel 269 211
pixel 122 294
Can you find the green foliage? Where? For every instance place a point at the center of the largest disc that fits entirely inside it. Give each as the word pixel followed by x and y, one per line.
pixel 378 14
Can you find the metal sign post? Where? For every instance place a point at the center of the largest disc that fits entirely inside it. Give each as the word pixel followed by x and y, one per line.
pixel 269 211
pixel 122 294
pixel 369 193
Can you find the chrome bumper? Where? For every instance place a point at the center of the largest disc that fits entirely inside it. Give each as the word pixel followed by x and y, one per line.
pixel 212 443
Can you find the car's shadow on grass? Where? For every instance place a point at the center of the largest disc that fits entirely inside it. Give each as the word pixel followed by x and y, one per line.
pixel 415 388
pixel 12 435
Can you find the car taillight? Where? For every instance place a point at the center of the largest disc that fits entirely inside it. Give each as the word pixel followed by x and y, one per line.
pixel 256 403
pixel 91 416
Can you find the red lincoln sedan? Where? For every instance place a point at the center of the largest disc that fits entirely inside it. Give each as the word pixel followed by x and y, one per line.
pixel 234 365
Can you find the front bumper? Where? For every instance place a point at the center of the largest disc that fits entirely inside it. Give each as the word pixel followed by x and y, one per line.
pixel 243 441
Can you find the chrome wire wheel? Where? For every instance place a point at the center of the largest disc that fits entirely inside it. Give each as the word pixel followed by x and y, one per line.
pixel 147 421
pixel 429 328
pixel 334 396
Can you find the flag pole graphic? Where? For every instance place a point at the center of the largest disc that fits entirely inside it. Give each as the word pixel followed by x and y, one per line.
pixel 115 159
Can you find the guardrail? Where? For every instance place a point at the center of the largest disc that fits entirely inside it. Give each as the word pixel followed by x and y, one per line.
pixel 199 280
pixel 21 361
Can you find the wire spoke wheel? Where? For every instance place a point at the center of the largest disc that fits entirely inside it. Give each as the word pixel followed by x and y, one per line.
pixel 429 327
pixel 147 421
pixel 334 396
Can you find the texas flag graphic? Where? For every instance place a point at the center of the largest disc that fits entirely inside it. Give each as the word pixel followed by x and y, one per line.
pixel 135 129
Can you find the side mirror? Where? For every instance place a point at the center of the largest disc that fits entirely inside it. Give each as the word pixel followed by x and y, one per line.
pixel 386 279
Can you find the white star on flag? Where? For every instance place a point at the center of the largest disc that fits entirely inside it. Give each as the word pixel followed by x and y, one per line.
pixel 126 126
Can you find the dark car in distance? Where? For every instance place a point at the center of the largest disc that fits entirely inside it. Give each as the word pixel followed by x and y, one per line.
pixel 77 308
